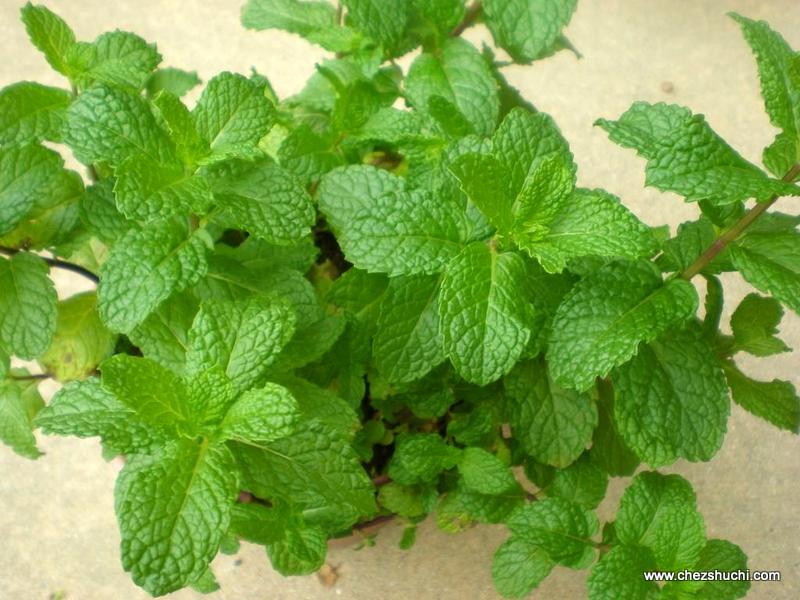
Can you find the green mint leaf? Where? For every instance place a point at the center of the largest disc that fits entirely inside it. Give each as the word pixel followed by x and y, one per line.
pixel 518 567
pixel 117 58
pixel 528 29
pixel 605 317
pixel 583 482
pixel 257 254
pixel 505 182
pixel 645 504
pixel 50 34
pixel 98 213
pixel 53 216
pixel 265 200
pixel 552 424
pixel 147 191
pixel 485 316
pixel 672 399
pixel 458 75
pixel 175 117
pixel 691 240
pixel 489 508
pixel 172 80
pixel 444 15
pixel 407 343
pixel 19 403
pixel 771 263
pixel 679 539
pixel 322 405
pixel 206 583
pixel 314 470
pixel 211 394
pixel 31 112
pixel 590 223
pixel 684 155
pixel 156 394
pixel 419 458
pixel 401 233
pixel 384 21
pixel 233 114
pixel 81 341
pixel 407 501
pixel 293 547
pixel 310 342
pixel 26 175
pixel 106 124
pixel 618 574
pixel 780 87
pixel 172 509
pixel 562 529
pixel 315 21
pixel 485 473
pixel 541 198
pixel 145 267
pixel 308 154
pixel 774 401
pixel 722 555
pixel 755 323
pixel 243 337
pixel 348 191
pixel 164 335
pixel 609 450
pixel 261 415
pixel 27 306
pixel 86 409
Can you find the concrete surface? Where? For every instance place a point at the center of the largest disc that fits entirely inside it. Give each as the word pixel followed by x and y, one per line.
pixel 57 523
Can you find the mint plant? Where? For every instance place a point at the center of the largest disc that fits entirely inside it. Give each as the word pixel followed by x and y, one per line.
pixel 386 296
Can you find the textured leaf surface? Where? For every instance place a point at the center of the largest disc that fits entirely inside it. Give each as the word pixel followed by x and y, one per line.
pixel 261 415
pixel 157 395
pixel 315 470
pixel 485 315
pixel 81 341
pixel 85 409
pixel 723 556
pixel 672 399
pixel 519 566
pixel 407 343
pixel 31 112
pixel 618 576
pixel 485 473
pixel 149 191
pixel 164 335
pixel 775 401
pixel 561 528
pixel 382 20
pixel 106 124
pixel 421 457
pixel 232 114
pixel 459 75
pixel 173 508
pixel 172 80
pixel 590 223
pixel 25 174
pixel 607 314
pixel 552 424
pixel 528 29
pixel 50 34
pixel 346 191
pixel 19 403
pixel 243 338
pixel 771 263
pixel 780 88
pixel 146 267
pixel 583 482
pixel 755 323
pixel 401 233
pixel 506 181
pixel 117 58
pixel 684 155
pixel 267 201
pixel 27 306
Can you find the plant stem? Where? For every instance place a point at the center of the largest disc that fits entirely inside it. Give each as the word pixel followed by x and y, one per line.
pixel 35 376
pixel 57 264
pixel 736 229
pixel 473 12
